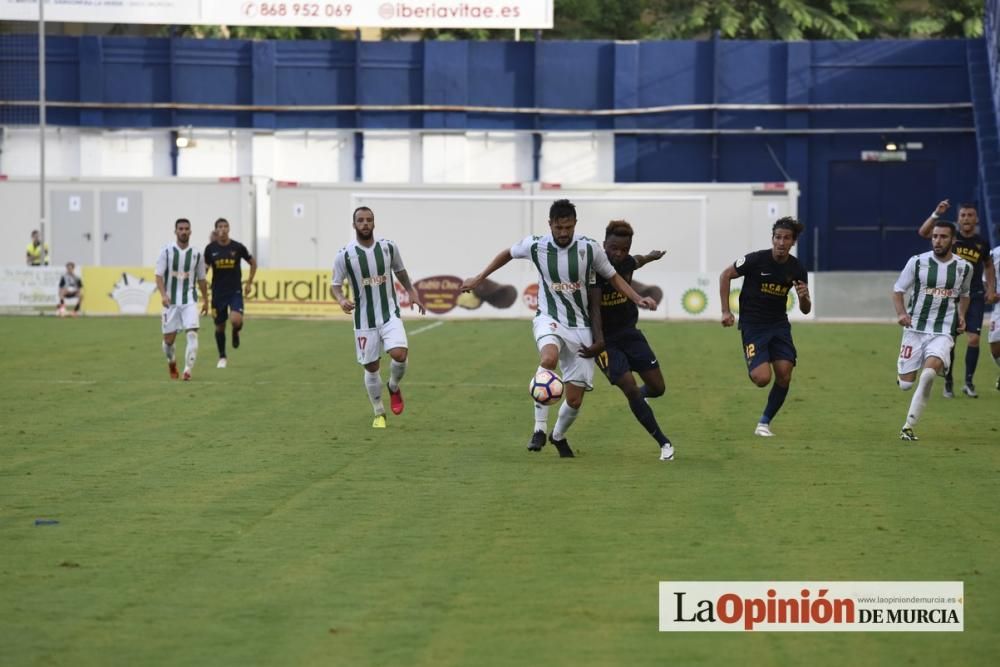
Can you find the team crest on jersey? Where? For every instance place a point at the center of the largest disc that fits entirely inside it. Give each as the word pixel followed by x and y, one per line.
pixel 553 326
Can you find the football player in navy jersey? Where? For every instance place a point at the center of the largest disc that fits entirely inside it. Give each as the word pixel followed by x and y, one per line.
pixel 225 256
pixel 619 347
pixel 768 276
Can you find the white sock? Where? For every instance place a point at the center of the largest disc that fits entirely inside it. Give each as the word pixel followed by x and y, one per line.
pixel 168 350
pixel 567 416
pixel 541 417
pixel 373 384
pixel 397 369
pixel 191 352
pixel 920 397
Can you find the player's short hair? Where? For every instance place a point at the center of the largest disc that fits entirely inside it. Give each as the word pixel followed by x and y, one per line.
pixel 220 220
pixel 180 220
pixel 968 204
pixel 789 223
pixel 618 228
pixel 361 208
pixel 947 223
pixel 562 208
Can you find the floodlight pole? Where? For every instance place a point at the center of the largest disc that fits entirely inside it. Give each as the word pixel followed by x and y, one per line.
pixel 41 126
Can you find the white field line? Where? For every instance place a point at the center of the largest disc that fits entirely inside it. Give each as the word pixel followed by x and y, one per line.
pixel 427 327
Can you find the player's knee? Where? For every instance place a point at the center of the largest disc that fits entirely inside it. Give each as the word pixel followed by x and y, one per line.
pixel 760 379
pixel 973 340
pixel 398 354
pixel 574 401
pixel 655 389
pixel 631 391
pixel 548 359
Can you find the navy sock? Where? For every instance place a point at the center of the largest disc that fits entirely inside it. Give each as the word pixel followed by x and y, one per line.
pixel 948 379
pixel 220 342
pixel 775 400
pixel 971 359
pixel 644 414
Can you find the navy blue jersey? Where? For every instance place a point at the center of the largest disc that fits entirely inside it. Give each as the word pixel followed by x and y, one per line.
pixel 618 313
pixel 976 251
pixel 225 261
pixel 764 296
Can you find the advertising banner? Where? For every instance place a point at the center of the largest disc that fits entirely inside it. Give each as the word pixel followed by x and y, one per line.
pixel 507 14
pixel 514 294
pixel 29 287
pixel 117 290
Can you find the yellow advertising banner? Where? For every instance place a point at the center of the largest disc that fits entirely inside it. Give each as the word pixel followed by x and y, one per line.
pixel 131 290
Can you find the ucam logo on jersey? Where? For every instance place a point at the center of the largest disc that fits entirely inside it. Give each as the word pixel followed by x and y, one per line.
pixel 812 606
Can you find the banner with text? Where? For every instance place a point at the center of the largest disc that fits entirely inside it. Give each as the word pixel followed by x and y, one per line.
pixel 132 291
pixel 29 288
pixel 512 294
pixel 495 14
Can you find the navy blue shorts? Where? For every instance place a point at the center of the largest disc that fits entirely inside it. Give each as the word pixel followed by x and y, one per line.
pixel 764 344
pixel 223 304
pixel 625 352
pixel 974 315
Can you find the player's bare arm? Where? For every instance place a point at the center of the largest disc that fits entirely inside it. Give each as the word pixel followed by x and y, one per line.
pixel 927 228
pixel 724 279
pixel 902 317
pixel 162 289
pixel 619 284
pixel 596 327
pixel 203 286
pixel 253 272
pixel 652 256
pixel 338 293
pixel 805 303
pixel 963 308
pixel 404 280
pixel 500 260
pixel 991 279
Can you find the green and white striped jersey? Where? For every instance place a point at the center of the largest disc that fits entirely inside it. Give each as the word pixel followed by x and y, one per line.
pixel 181 271
pixel 564 275
pixel 937 287
pixel 369 273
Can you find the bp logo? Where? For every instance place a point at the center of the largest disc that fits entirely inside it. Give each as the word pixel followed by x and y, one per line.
pixel 694 301
pixel 734 301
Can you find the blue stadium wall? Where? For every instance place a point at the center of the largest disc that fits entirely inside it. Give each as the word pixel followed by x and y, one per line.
pixel 863 212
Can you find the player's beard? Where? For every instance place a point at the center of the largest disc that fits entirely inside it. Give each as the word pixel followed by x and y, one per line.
pixel 364 236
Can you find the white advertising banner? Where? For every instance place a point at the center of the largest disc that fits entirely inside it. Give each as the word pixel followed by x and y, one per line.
pixel 303 13
pixel 29 287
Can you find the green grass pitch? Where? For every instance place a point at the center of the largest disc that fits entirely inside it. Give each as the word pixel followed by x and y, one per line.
pixel 252 516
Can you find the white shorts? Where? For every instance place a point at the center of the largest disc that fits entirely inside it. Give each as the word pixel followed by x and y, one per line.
pixel 575 369
pixel 176 318
pixel 995 325
pixel 917 348
pixel 369 344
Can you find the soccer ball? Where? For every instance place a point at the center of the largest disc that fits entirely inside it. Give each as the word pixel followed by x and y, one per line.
pixel 546 387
